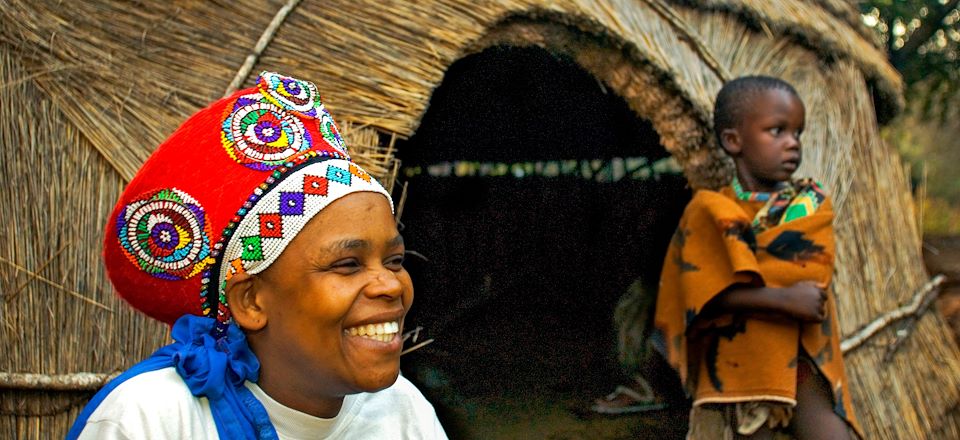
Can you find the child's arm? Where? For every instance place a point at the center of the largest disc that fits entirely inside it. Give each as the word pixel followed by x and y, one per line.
pixel 803 301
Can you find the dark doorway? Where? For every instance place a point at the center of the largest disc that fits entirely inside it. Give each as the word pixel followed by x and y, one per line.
pixel 526 267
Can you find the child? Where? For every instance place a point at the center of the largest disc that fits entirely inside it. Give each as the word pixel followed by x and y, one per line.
pixel 279 265
pixel 744 312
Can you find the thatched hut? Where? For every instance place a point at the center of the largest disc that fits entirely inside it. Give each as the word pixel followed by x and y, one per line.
pixel 88 89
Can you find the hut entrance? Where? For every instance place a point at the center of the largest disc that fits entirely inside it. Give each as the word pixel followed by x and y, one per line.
pixel 538 196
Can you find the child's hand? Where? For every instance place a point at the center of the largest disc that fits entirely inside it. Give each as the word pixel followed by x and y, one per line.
pixel 805 301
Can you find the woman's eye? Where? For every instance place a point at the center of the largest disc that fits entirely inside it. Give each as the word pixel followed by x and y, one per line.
pixel 395 262
pixel 346 266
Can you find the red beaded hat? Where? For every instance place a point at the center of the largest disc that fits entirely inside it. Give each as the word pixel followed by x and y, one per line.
pixel 226 193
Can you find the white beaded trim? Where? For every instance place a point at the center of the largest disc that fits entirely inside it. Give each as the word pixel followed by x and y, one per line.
pixel 299 206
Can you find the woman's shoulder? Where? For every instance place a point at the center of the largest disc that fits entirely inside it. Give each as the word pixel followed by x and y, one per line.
pixel 151 404
pixel 164 381
pixel 157 390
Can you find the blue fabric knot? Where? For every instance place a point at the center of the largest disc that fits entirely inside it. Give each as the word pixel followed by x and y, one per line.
pixel 209 366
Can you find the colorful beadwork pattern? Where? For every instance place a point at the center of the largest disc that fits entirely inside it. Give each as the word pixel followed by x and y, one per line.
pixel 273 215
pixel 302 97
pixel 280 214
pixel 290 93
pixel 262 135
pixel 165 234
pixel 749 196
pixel 791 201
pixel 330 132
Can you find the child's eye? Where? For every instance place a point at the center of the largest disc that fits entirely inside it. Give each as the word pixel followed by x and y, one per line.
pixel 776 131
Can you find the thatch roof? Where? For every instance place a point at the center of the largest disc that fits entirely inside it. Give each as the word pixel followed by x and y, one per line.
pixel 87 90
pixel 175 57
pixel 832 28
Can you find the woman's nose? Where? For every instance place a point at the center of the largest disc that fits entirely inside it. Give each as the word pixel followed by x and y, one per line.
pixel 385 283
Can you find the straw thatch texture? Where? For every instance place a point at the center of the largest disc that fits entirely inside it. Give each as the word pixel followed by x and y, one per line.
pixel 369 152
pixel 178 58
pixel 816 25
pixel 58 192
pixel 849 12
pixel 87 90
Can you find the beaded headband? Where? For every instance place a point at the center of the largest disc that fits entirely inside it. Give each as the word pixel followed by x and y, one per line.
pixel 226 193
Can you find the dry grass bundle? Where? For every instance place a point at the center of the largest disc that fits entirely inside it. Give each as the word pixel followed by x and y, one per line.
pixel 920 387
pixel 59 192
pixel 849 12
pixel 87 91
pixel 817 26
pixel 366 149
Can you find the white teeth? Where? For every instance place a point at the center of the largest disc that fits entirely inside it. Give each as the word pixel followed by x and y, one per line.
pixel 383 332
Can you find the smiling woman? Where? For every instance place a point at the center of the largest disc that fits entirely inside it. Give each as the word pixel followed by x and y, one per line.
pixel 330 306
pixel 255 204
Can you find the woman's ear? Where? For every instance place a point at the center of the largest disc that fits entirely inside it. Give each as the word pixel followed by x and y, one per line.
pixel 730 141
pixel 246 302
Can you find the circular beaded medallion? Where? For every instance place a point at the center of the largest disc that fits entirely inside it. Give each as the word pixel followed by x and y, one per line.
pixel 165 234
pixel 290 93
pixel 261 135
pixel 330 133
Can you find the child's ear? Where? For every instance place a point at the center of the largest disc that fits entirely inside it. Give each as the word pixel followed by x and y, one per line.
pixel 246 302
pixel 730 141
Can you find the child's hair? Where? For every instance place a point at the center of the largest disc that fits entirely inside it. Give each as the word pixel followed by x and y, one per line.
pixel 735 96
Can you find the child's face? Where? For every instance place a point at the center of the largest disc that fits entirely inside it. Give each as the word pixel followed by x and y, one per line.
pixel 341 274
pixel 766 143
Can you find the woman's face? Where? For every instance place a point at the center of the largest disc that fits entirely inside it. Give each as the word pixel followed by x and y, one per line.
pixel 334 302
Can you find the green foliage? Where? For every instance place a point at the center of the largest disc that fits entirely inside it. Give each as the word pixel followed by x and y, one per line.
pixel 922 38
pixel 930 146
pixel 940 217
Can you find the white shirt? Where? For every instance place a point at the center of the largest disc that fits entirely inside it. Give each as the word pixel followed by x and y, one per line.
pixel 158 405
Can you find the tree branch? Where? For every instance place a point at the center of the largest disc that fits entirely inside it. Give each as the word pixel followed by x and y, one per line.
pixel 916 306
pixel 54 382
